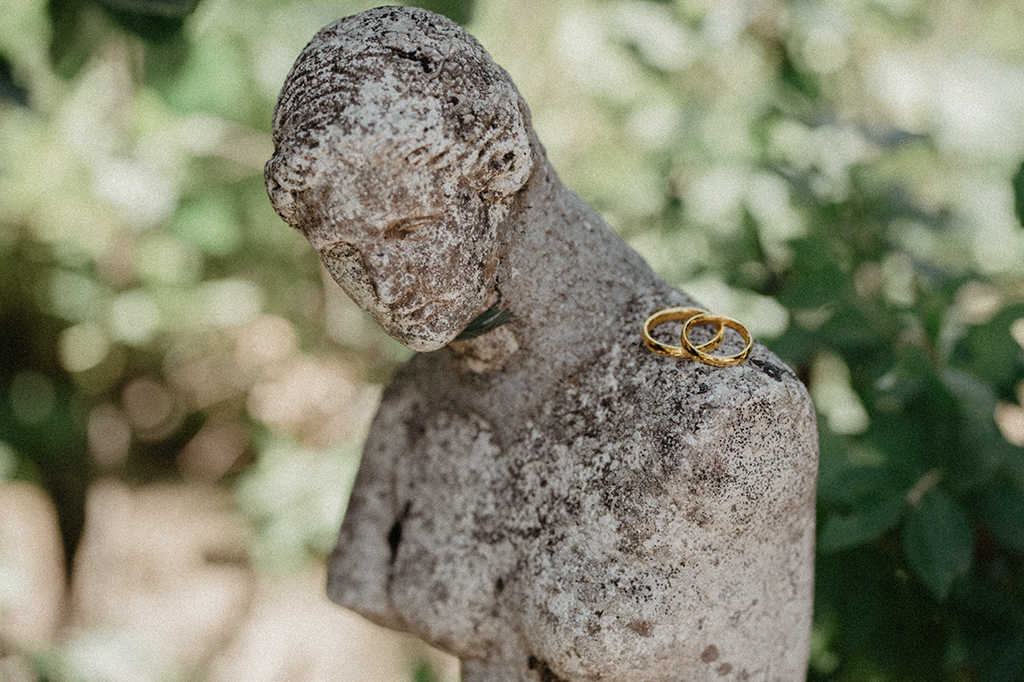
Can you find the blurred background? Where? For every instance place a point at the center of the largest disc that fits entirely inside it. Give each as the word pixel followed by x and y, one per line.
pixel 183 394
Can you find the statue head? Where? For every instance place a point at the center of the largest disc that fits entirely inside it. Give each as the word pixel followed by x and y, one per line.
pixel 398 148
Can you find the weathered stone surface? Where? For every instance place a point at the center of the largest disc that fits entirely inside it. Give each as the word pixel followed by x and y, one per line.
pixel 549 500
pixel 396 126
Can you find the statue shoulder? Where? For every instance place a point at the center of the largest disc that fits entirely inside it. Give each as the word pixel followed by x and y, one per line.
pixel 423 399
pixel 628 388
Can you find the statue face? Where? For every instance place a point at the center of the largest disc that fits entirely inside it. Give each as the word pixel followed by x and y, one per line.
pixel 409 246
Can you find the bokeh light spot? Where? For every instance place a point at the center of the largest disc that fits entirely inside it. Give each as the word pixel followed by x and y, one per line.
pixel 134 317
pixel 82 347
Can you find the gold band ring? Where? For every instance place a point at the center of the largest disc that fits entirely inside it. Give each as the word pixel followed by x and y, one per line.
pixel 681 315
pixel 722 321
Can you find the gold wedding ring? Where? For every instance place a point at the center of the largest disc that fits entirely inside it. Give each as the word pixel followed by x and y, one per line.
pixel 691 317
pixel 722 321
pixel 678 315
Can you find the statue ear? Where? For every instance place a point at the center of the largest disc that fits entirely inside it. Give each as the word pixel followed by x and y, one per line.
pixel 505 161
pixel 287 175
pixel 282 199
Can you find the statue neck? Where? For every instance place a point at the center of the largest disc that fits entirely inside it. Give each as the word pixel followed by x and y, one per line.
pixel 566 281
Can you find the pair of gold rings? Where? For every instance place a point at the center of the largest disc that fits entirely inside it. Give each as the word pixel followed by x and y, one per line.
pixel 695 317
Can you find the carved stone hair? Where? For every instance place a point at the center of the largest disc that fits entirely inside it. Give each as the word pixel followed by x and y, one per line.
pixel 399 84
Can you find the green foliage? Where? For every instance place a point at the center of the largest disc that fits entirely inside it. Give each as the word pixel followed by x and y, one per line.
pixel 296 497
pixel 937 542
pixel 845 176
pixel 1018 194
pixel 869 520
pixel 456 10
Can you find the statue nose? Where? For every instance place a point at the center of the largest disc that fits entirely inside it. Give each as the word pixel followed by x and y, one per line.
pixel 390 279
pixel 388 292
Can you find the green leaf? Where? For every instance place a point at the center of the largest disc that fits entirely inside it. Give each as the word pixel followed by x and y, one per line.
pixel 850 530
pixel 460 11
pixel 1008 662
pixel 987 606
pixel 857 487
pixel 938 542
pixel 983 446
pixel 78 31
pixel 990 352
pixel 1002 508
pixel 160 8
pixel 10 90
pixel 1018 194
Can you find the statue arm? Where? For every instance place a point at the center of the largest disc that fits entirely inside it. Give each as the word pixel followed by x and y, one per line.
pixel 360 567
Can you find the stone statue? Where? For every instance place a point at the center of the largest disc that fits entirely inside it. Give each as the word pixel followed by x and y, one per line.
pixel 540 494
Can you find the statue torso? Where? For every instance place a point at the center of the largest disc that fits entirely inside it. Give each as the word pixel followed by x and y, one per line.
pixel 630 476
